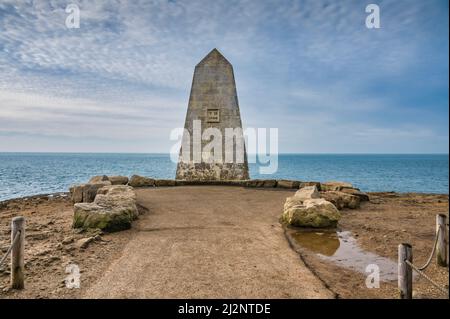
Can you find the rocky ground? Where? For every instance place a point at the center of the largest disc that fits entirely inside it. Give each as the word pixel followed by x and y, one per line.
pixel 52 244
pixel 379 226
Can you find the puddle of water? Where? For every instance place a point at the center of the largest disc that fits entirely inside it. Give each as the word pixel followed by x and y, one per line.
pixel 325 244
pixel 342 249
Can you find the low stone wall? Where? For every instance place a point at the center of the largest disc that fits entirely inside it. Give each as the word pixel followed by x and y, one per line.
pixel 139 181
pixel 86 192
pixel 109 202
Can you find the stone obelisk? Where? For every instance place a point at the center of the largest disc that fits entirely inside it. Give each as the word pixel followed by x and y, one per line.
pixel 214 153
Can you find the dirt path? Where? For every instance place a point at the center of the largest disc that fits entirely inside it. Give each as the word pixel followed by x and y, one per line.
pixel 208 242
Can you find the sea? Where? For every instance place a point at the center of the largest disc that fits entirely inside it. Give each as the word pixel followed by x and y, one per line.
pixel 26 174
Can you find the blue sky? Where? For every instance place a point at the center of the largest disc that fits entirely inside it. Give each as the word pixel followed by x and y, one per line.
pixel 120 83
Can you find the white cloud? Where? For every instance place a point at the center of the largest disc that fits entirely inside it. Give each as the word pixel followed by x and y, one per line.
pixel 126 72
pixel 79 117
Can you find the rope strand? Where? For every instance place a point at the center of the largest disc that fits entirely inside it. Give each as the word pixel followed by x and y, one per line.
pixel 442 289
pixel 10 247
pixel 432 251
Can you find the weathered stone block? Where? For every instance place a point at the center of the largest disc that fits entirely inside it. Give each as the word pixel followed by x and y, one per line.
pixel 118 180
pixel 354 191
pixel 90 190
pixel 260 183
pixel 141 181
pixel 114 209
pixel 283 183
pixel 90 215
pixel 85 193
pixel 98 179
pixel 342 200
pixel 293 201
pixel 305 184
pixel 76 193
pixel 269 183
pixel 165 182
pixel 316 213
pixel 307 192
pixel 335 186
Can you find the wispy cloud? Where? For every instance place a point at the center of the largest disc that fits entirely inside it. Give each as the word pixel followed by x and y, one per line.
pixel 126 72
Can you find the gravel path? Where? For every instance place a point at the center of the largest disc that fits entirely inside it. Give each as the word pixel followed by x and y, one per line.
pixel 209 242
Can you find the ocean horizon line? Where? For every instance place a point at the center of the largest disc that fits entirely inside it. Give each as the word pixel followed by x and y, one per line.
pixel 27 173
pixel 163 153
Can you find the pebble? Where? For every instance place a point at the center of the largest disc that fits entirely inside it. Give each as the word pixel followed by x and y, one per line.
pixel 68 248
pixel 67 240
pixel 84 242
pixel 43 252
pixel 53 258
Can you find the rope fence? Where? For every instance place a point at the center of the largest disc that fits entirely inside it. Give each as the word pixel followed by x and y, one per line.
pixel 16 251
pixel 425 266
pixel 431 281
pixel 406 266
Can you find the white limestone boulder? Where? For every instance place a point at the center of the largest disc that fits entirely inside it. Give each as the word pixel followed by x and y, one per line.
pixel 85 193
pixel 113 209
pixel 307 192
pixel 315 213
pixel 356 192
pixel 335 186
pixel 342 200
pixel 141 181
pixel 118 180
pixel 98 179
pixel 293 201
pixel 284 183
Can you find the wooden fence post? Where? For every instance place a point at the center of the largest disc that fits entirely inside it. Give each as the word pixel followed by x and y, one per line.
pixel 17 253
pixel 441 245
pixel 404 271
